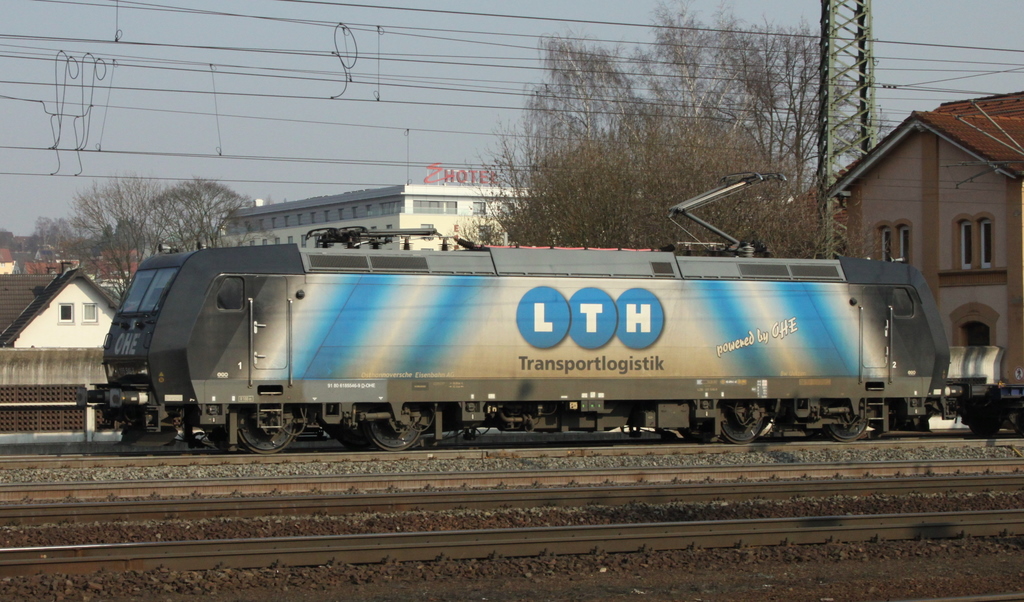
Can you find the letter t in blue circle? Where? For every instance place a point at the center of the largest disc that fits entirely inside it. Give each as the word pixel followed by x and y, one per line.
pixel 543 317
pixel 593 318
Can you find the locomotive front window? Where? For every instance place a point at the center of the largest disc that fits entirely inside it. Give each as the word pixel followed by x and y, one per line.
pixel 147 290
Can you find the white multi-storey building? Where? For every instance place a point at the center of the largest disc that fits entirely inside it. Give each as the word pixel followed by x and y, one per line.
pixel 449 208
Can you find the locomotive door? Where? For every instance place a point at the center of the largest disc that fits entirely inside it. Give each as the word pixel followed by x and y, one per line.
pixel 875 333
pixel 269 334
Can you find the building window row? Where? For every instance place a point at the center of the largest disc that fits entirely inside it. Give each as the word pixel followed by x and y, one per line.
pixel 66 313
pixel 436 207
pixel 363 211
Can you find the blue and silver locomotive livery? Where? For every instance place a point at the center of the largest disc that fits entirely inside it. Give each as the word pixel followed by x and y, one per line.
pixel 252 345
pixel 248 347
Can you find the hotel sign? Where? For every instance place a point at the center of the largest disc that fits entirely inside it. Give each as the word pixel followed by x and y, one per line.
pixel 438 174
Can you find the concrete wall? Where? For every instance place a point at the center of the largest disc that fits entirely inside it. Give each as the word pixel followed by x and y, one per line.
pixel 51 366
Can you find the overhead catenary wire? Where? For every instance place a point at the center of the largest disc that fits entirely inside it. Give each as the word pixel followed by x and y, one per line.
pixel 452 93
pixel 128 4
pixel 308 75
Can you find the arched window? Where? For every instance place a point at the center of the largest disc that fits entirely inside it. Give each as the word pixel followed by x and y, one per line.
pixel 985 232
pixel 976 334
pixel 966 245
pixel 903 240
pixel 885 234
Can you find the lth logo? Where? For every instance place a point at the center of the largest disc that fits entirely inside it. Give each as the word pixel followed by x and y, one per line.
pixel 590 317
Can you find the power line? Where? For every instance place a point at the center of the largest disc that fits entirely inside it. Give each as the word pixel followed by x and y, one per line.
pixel 410 82
pixel 478 14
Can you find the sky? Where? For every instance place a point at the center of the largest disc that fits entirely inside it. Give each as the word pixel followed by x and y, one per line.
pixel 291 99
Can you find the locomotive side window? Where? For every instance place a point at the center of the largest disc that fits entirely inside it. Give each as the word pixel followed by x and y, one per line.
pixel 148 290
pixel 231 294
pixel 902 303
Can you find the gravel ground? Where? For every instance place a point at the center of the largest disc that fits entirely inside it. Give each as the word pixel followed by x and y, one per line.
pixel 829 573
pixel 313 467
pixel 834 572
pixel 509 518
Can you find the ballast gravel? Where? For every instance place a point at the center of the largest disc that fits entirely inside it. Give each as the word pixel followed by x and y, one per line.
pixel 826 573
pixel 508 518
pixel 312 467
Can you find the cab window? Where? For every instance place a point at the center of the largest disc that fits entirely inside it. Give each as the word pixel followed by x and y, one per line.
pixel 147 290
pixel 230 295
pixel 902 303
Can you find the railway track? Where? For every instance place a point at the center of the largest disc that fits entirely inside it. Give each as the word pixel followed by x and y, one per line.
pixel 433 501
pixel 426 481
pixel 537 488
pixel 492 543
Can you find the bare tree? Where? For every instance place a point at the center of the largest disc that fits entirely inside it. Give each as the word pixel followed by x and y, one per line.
pixel 777 71
pixel 118 218
pixel 124 220
pixel 613 138
pixel 196 213
pixel 58 234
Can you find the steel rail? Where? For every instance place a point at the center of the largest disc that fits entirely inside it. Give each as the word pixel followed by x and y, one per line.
pixel 1011 597
pixel 283 485
pixel 581 449
pixel 492 543
pixel 432 501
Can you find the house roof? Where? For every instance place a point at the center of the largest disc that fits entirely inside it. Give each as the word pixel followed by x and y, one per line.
pixel 5 256
pixel 991 129
pixel 999 140
pixel 16 292
pixel 16 288
pixel 1000 105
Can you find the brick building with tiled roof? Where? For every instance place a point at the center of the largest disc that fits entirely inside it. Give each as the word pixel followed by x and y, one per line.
pixel 944 191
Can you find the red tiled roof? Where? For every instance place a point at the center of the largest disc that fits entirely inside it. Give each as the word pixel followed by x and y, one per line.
pixel 992 128
pixel 1001 105
pixel 48 267
pixel 5 256
pixel 997 139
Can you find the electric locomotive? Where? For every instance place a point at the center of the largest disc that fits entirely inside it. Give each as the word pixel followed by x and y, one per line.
pixel 252 345
pixel 248 347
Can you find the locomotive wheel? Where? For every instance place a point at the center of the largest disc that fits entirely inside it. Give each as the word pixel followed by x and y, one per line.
pixel 350 438
pixel 847 432
pixel 743 423
pixel 985 424
pixel 257 440
pixel 1017 420
pixel 388 435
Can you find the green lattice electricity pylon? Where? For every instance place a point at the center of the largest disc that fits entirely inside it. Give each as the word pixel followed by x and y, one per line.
pixel 847 95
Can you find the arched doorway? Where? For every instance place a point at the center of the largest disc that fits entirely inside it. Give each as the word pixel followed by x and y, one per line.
pixel 976 334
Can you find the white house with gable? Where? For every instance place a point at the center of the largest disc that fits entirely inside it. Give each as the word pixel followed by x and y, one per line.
pixel 66 311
